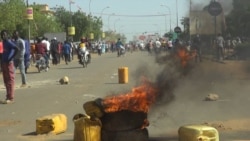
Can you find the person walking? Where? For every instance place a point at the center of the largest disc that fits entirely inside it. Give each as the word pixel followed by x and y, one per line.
pixel 99 49
pixel 1 52
pixel 27 55
pixel 54 49
pixel 196 46
pixel 220 47
pixel 66 51
pixel 157 46
pixel 150 46
pixel 72 50
pixel 33 53
pixel 8 70
pixel 19 58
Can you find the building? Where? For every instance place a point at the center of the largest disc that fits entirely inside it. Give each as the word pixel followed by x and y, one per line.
pixel 201 22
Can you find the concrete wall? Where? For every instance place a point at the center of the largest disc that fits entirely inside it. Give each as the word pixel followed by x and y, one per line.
pixel 60 36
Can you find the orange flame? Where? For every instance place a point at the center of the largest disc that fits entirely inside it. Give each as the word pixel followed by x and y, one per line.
pixel 138 100
pixel 185 56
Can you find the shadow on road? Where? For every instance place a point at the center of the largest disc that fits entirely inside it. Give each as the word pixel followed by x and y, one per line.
pixel 171 138
pixel 30 134
pixel 71 68
pixel 111 83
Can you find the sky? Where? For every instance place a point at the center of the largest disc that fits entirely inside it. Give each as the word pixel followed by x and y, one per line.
pixel 134 17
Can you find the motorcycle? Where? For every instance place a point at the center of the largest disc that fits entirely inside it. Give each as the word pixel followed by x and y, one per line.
pixel 41 63
pixel 121 51
pixel 84 57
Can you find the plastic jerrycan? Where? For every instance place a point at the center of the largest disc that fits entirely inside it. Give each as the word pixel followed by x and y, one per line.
pixel 198 133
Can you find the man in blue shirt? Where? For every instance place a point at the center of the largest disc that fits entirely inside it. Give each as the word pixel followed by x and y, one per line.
pixel 66 51
pixel 10 50
pixel 118 46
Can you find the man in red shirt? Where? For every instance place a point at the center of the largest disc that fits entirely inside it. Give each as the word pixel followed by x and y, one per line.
pixel 41 49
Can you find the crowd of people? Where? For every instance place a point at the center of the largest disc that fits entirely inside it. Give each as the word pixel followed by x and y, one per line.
pixel 18 53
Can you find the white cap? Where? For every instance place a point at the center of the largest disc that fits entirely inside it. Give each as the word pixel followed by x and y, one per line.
pixel 54 38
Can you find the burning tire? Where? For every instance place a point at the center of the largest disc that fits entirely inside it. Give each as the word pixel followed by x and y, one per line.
pixel 135 135
pixel 124 120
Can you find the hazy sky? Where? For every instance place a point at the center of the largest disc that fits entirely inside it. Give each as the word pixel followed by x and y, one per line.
pixel 134 17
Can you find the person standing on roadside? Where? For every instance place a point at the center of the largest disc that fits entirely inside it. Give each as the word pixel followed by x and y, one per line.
pixel 19 58
pixel 10 51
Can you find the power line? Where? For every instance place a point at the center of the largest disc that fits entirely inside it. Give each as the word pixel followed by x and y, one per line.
pixel 157 15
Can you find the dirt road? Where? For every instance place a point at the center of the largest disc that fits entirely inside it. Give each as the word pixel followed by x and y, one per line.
pixel 44 96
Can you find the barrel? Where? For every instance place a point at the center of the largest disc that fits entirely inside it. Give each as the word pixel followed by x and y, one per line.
pixel 123 75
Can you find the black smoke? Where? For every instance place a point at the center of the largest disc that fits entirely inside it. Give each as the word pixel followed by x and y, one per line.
pixel 165 74
pixel 199 5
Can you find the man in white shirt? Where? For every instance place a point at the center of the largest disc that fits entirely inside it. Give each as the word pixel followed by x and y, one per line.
pixel 47 44
pixel 220 47
pixel 158 46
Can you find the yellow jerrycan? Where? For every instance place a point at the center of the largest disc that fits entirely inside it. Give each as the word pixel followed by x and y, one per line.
pixel 54 123
pixel 86 128
pixel 198 133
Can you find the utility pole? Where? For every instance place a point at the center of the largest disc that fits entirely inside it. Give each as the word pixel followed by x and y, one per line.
pixel 177 13
pixel 169 16
pixel 71 28
pixel 27 3
pixel 70 13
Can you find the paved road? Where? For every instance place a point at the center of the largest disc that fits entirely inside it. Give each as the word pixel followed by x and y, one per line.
pixel 45 96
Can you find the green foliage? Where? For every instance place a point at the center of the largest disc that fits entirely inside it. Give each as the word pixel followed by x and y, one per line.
pixel 238 21
pixel 80 21
pixel 43 23
pixel 13 12
pixel 84 25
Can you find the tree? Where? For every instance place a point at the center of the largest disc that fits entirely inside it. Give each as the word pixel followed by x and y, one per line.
pixel 81 23
pixel 12 13
pixel 43 23
pixel 84 25
pixel 238 21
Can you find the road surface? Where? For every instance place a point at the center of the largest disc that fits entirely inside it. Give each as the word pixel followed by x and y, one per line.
pixel 44 96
